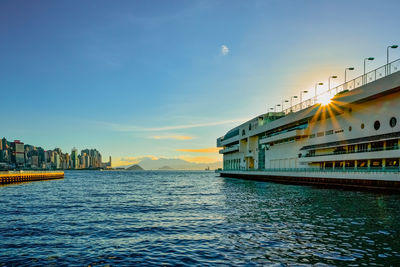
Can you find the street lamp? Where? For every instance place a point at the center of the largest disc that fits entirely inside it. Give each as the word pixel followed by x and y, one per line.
pixel 345 73
pixel 329 81
pixel 387 57
pixel 283 103
pixel 301 95
pixel 365 60
pixel 316 85
pixel 291 98
pixel 278 105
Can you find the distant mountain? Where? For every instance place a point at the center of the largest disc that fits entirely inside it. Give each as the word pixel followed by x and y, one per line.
pixel 176 164
pixel 165 168
pixel 135 167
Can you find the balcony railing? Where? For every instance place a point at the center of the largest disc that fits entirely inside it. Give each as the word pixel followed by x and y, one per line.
pixel 371 76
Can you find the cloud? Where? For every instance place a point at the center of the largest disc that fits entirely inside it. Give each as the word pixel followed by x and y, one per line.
pixel 224 50
pixel 173 137
pixel 133 128
pixel 201 150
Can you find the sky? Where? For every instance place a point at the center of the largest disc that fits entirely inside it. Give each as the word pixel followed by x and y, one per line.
pixel 165 79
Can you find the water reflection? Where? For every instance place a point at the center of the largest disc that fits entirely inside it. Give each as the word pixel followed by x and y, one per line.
pixel 192 218
pixel 303 224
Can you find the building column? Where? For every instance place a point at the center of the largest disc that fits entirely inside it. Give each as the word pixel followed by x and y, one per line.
pixel 369 164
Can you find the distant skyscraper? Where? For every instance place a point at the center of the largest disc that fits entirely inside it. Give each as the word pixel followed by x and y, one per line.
pixel 74 158
pixel 18 156
pixel 4 144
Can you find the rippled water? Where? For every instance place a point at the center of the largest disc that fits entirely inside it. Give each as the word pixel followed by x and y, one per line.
pixel 193 218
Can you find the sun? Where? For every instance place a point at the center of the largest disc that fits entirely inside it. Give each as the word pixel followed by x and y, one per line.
pixel 324 99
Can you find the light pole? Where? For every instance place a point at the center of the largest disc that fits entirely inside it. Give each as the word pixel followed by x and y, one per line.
pixel 291 98
pixel 329 81
pixel 365 60
pixel 301 95
pixel 316 85
pixel 278 105
pixel 387 57
pixel 345 73
pixel 283 103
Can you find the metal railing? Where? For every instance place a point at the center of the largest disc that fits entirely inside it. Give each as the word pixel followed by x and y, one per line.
pixel 388 169
pixel 371 76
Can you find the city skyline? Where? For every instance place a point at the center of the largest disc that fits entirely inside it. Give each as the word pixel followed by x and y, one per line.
pixel 18 155
pixel 156 79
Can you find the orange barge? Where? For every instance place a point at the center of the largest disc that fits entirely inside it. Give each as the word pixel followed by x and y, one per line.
pixel 29 176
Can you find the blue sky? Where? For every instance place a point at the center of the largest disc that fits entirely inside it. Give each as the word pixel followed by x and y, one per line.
pixel 137 78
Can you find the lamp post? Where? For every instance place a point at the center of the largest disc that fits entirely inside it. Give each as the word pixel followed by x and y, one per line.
pixel 329 81
pixel 283 103
pixel 387 58
pixel 278 105
pixel 365 60
pixel 301 95
pixel 345 73
pixel 291 98
pixel 316 85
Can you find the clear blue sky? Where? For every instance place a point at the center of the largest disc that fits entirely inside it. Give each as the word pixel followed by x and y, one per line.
pixel 136 78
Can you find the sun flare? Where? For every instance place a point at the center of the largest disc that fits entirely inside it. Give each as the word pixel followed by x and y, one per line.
pixel 324 99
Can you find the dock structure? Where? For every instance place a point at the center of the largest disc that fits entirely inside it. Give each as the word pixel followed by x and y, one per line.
pixel 29 176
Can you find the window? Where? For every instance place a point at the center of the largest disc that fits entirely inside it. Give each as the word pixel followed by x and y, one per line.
pixel 250 127
pixel 320 134
pixel 391 144
pixel 393 122
pixel 377 125
pixel 339 131
pixel 243 132
pixel 362 147
pixel 350 128
pixel 329 132
pixel 351 149
pixel 377 146
pixel 362 125
pixel 312 135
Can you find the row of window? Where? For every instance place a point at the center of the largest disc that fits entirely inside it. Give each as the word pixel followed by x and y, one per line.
pixel 377 126
pixel 366 147
pixel 373 163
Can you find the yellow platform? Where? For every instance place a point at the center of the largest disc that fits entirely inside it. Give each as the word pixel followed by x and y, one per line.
pixel 29 176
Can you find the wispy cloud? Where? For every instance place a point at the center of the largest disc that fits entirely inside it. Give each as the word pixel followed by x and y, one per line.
pixel 132 128
pixel 224 50
pixel 201 150
pixel 173 137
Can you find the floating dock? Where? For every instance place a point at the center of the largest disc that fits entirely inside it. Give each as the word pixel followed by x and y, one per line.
pixel 29 176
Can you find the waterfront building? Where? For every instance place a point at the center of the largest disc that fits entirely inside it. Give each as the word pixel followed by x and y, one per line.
pixel 4 145
pixel 18 154
pixel 74 159
pixel 351 132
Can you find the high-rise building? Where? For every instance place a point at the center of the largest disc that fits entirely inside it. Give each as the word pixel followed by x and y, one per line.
pixel 74 158
pixel 4 144
pixel 18 154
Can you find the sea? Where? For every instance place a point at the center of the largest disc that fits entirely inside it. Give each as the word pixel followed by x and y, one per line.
pixel 193 218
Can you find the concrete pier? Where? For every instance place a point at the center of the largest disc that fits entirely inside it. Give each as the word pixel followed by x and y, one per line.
pixel 388 180
pixel 29 176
